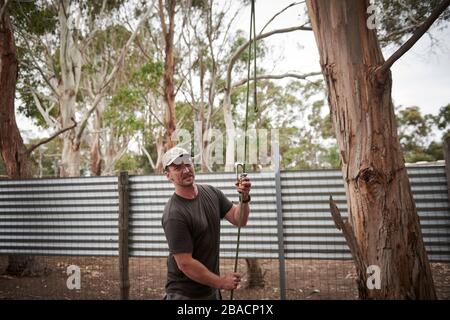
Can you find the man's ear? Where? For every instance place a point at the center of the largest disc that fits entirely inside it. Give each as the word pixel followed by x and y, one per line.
pixel 168 175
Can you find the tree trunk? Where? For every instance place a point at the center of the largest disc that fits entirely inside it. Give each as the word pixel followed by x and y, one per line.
pixel 231 134
pixel 13 151
pixel 70 158
pixel 380 205
pixel 71 62
pixel 169 68
pixel 96 156
pixel 255 275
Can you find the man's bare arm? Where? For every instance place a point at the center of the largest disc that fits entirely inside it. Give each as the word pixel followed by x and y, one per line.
pixel 196 271
pixel 233 214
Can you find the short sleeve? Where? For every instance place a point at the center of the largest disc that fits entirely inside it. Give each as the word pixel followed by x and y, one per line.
pixel 178 236
pixel 224 203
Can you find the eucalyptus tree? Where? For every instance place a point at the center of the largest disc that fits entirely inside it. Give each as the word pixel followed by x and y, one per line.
pixel 384 229
pixel 54 64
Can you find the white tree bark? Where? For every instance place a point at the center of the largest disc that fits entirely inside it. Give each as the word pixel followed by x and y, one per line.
pixel 71 62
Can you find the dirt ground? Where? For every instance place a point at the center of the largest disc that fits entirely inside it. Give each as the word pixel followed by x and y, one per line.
pixel 305 279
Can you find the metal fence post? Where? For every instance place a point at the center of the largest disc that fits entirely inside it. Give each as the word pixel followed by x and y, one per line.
pixel 446 147
pixel 123 235
pixel 282 268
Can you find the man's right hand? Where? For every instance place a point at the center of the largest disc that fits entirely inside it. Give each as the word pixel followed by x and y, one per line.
pixel 230 281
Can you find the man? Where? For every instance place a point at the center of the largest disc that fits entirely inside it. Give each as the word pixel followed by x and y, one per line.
pixel 191 223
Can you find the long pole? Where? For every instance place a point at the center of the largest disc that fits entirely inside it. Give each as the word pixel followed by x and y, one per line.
pixel 252 38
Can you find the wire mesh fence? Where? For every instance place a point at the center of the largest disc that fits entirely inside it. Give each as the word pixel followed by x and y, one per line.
pixel 290 248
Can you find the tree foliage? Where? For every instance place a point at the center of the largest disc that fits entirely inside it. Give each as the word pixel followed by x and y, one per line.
pixel 399 19
pixel 204 45
pixel 416 132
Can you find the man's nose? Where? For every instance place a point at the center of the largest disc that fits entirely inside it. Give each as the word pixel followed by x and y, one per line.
pixel 185 169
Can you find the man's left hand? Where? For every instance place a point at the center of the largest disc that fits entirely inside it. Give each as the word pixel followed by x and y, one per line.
pixel 243 186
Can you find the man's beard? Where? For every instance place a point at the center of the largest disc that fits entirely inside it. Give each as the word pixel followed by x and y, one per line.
pixel 187 180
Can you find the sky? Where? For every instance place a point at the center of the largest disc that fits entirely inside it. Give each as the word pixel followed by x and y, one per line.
pixel 420 78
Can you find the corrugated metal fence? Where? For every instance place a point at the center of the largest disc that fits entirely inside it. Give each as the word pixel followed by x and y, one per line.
pixel 66 216
pixel 310 231
pixel 148 195
pixel 79 216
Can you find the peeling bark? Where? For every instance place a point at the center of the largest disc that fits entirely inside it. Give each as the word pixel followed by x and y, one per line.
pixel 382 211
pixel 71 62
pixel 96 155
pixel 169 69
pixel 15 156
pixel 255 274
pixel 13 151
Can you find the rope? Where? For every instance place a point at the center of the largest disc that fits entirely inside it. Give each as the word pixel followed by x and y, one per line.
pixel 252 39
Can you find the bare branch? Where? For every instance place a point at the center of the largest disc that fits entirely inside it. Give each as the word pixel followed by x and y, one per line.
pixel 161 17
pixel 116 158
pixel 276 76
pixel 398 33
pixel 180 122
pixel 87 115
pixel 36 65
pixel 349 236
pixel 3 9
pixel 381 71
pixel 183 78
pixel 117 66
pixel 149 157
pixel 217 111
pixel 50 121
pixel 141 48
pixel 190 103
pixel 213 72
pixel 225 36
pixel 242 48
pixel 151 112
pixel 125 49
pixel 280 12
pixel 53 136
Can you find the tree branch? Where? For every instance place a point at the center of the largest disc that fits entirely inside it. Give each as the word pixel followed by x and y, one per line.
pixel 149 157
pixel 49 120
pixel 35 63
pixel 118 64
pixel 125 49
pixel 116 158
pixel 53 136
pixel 151 112
pixel 277 76
pixel 87 115
pixel 381 71
pixel 394 35
pixel 3 9
pixel 350 238
pixel 242 48
pixel 161 17
pixel 280 12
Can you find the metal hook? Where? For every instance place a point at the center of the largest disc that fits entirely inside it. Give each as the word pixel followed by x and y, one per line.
pixel 241 175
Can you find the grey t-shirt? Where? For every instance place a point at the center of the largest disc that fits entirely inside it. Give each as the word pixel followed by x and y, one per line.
pixel 193 226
